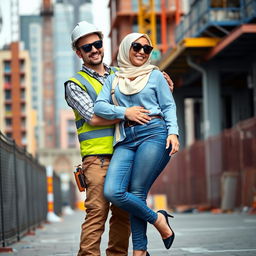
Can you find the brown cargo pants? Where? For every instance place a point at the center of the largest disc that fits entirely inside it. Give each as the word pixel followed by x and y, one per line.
pixel 97 208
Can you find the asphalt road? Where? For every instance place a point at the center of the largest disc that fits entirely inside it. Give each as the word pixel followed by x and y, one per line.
pixel 196 234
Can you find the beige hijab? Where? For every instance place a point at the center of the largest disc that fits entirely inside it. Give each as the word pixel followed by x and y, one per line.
pixel 127 70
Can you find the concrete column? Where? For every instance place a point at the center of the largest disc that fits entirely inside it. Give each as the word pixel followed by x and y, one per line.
pixel 211 97
pixel 189 121
pixel 212 117
pixel 211 102
pixel 212 120
pixel 179 100
pixel 254 87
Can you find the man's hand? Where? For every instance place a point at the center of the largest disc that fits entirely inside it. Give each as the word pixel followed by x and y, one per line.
pixel 173 140
pixel 169 81
pixel 137 114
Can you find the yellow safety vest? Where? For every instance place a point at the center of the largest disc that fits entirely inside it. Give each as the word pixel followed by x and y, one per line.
pixel 94 140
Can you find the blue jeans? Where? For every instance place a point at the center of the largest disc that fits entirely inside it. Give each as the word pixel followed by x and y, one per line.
pixel 136 163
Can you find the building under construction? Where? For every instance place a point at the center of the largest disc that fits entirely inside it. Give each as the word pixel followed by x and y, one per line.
pixel 211 58
pixel 156 18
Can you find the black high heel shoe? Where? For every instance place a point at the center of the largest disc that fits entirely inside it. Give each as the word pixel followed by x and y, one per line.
pixel 169 240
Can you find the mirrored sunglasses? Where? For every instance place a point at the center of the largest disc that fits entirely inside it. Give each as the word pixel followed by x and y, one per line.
pixel 88 47
pixel 146 48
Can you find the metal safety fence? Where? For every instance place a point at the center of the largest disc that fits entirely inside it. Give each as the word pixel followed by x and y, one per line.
pixel 220 170
pixel 23 192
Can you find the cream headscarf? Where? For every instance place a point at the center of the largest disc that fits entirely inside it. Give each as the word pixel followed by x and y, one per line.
pixel 127 70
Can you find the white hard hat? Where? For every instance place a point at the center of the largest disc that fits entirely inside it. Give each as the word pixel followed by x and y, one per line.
pixel 81 29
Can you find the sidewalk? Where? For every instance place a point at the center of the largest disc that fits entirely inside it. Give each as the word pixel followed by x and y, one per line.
pixel 55 239
pixel 199 234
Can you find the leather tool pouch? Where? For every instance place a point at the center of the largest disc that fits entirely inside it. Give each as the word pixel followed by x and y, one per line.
pixel 80 179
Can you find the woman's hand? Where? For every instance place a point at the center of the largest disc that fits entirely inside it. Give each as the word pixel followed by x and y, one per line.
pixel 137 114
pixel 173 140
pixel 169 81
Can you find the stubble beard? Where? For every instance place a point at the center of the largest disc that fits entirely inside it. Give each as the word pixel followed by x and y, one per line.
pixel 96 63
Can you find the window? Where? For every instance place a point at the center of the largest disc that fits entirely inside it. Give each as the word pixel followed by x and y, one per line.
pixel 34 99
pixel 23 123
pixel 22 79
pixel 9 135
pixel 8 107
pixel 33 39
pixel 22 65
pixel 7 78
pixel 8 95
pixel 7 66
pixel 24 138
pixel 8 122
pixel 22 94
pixel 23 108
pixel 34 78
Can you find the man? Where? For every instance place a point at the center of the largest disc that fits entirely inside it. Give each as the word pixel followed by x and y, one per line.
pixel 95 136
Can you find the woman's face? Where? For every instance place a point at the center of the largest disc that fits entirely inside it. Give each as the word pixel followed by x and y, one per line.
pixel 139 57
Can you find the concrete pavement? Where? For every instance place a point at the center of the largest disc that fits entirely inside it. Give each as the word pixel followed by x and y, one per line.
pixel 196 234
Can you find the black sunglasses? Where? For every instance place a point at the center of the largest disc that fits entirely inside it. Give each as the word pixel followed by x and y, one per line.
pixel 137 47
pixel 88 47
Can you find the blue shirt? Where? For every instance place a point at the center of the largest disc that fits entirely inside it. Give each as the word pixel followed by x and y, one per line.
pixel 155 97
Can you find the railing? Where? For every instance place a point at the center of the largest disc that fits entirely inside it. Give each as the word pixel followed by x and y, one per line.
pixel 202 15
pixel 192 178
pixel 23 195
pixel 248 10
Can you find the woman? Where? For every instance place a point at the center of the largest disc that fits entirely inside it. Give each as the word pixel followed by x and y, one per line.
pixel 144 141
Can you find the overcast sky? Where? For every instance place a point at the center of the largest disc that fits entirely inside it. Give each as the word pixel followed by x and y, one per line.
pixel 29 7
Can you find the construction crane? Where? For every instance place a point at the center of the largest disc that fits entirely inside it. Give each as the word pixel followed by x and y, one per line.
pixel 147 19
pixel 147 16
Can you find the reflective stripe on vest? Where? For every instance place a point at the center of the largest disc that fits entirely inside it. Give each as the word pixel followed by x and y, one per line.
pixel 89 87
pixel 96 134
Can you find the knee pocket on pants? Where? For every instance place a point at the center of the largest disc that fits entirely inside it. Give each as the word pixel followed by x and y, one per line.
pixel 97 209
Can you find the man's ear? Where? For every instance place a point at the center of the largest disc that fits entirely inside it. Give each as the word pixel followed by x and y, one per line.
pixel 78 53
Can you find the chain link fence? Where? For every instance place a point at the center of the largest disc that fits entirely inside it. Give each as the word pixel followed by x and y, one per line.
pixel 23 192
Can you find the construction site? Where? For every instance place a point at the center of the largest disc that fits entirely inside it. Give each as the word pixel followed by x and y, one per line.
pixel 207 47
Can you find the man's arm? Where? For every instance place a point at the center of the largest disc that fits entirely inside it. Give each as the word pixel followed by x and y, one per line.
pixel 99 121
pixel 169 81
pixel 80 100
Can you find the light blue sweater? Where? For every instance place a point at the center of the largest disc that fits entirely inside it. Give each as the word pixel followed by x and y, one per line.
pixel 155 97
